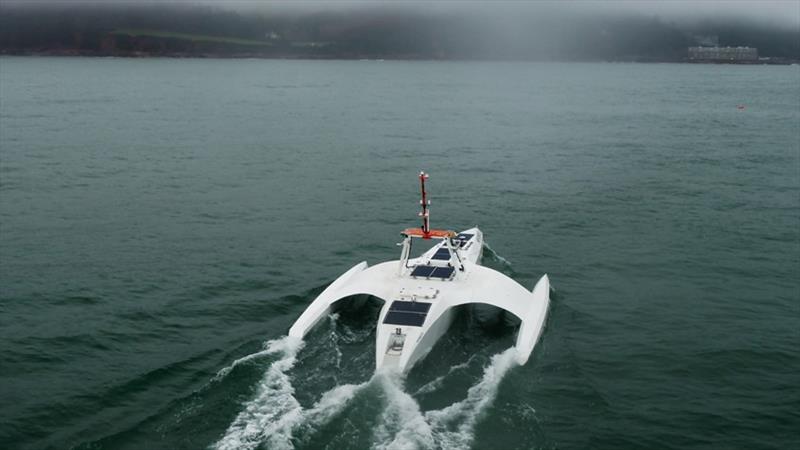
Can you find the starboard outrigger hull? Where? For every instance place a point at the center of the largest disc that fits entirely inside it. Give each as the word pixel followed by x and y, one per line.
pixel 420 293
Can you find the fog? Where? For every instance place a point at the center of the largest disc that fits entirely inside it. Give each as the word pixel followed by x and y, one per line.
pixel 444 29
pixel 780 12
pixel 785 13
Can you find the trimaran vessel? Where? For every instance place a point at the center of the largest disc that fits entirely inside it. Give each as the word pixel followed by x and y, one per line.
pixel 420 294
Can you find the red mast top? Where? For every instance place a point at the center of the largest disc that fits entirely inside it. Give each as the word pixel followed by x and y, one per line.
pixel 425 232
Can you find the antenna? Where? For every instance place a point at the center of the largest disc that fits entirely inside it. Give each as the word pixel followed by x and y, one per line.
pixel 425 214
pixel 425 232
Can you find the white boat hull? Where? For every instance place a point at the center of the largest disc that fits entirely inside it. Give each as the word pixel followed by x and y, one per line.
pixel 406 333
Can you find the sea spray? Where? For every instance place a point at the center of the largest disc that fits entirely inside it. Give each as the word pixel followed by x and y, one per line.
pixel 437 382
pixel 222 373
pixel 276 346
pixel 331 403
pixel 274 414
pixel 270 416
pixel 496 256
pixel 402 425
pixel 274 418
pixel 454 425
pixel 334 336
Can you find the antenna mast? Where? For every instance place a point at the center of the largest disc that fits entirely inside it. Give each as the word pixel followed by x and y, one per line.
pixel 425 214
pixel 425 232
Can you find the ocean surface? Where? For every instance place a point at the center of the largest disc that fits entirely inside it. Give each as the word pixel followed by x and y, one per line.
pixel 164 221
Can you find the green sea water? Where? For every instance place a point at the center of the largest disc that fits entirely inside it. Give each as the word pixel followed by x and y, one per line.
pixel 163 222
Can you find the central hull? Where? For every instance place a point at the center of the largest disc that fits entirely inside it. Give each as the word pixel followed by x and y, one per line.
pixel 418 341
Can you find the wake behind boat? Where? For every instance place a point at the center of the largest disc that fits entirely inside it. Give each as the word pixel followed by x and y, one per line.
pixel 420 293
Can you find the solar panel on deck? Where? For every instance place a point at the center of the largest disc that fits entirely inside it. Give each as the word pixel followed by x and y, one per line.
pixel 442 272
pixel 407 313
pixel 464 238
pixel 417 307
pixel 422 271
pixel 442 254
pixel 404 318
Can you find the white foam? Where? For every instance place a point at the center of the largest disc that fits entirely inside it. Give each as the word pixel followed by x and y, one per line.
pixel 274 413
pixel 496 255
pixel 454 425
pixel 331 403
pixel 226 370
pixel 335 338
pixel 404 426
pixel 270 416
pixel 434 385
pixel 271 347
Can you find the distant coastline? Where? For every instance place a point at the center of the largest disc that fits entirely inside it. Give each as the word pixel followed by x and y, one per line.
pixel 195 32
pixel 67 52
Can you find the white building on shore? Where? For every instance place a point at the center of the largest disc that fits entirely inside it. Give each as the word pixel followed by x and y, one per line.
pixel 723 53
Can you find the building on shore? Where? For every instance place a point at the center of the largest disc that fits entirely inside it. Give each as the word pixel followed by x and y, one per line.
pixel 723 54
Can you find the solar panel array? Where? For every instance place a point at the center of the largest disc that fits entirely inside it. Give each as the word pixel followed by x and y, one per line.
pixel 442 254
pixel 463 238
pixel 422 271
pixel 443 272
pixel 433 272
pixel 407 313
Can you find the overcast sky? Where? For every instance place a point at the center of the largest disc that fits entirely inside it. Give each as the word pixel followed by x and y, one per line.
pixel 784 12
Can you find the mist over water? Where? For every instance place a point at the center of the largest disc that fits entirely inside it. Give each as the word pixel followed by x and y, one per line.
pixel 164 222
pixel 642 31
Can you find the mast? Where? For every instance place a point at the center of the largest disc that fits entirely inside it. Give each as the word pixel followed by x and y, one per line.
pixel 425 214
pixel 425 232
